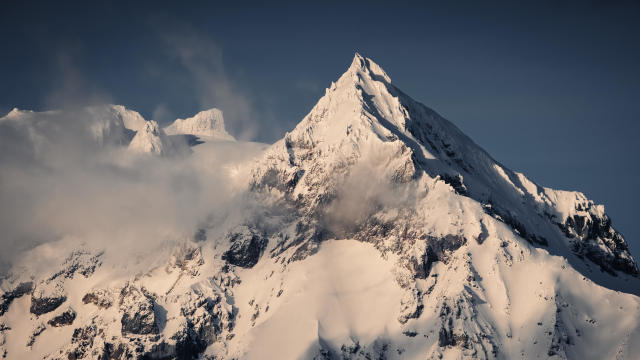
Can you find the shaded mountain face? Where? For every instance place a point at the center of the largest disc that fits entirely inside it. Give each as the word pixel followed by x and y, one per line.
pixel 373 230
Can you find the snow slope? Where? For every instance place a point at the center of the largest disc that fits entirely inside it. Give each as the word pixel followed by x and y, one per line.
pixel 334 296
pixel 373 230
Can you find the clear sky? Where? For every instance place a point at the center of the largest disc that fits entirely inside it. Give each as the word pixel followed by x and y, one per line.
pixel 551 89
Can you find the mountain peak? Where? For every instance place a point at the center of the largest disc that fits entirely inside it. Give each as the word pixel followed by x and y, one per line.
pixel 206 123
pixel 150 139
pixel 15 112
pixel 364 121
pixel 364 66
pixel 361 104
pixel 132 119
pixel 373 204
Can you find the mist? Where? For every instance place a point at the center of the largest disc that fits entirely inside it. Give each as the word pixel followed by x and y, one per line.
pixel 202 60
pixel 69 174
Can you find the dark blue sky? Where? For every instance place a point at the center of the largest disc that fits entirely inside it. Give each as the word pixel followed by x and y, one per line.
pixel 549 89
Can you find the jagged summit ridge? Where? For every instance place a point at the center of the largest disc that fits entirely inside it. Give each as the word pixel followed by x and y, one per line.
pixel 364 65
pixel 207 123
pixel 111 126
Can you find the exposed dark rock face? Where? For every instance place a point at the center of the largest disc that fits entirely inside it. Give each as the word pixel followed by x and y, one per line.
pixel 138 311
pixel 8 297
pixel 482 236
pixel 447 337
pixel 100 297
pixel 412 307
pixel 140 323
pixel 64 319
pixel 36 332
pixel 204 321
pixel 3 339
pixel 49 294
pixel 41 306
pixel 82 341
pixel 247 245
pixel 438 249
pixel 590 234
pixel 115 351
pixel 461 314
pixel 45 300
pixel 79 262
pixel 204 316
pixel 455 181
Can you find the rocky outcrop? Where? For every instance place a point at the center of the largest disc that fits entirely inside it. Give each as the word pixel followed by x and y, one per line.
pixel 49 294
pixel 7 298
pixel 593 237
pixel 100 297
pixel 463 327
pixel 204 320
pixel 82 341
pixel 456 182
pixel 39 329
pixel 138 313
pixel 46 297
pixel 437 249
pixel 79 262
pixel 65 318
pixel 247 245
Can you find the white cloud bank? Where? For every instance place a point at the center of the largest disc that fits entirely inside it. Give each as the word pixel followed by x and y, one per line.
pixel 69 173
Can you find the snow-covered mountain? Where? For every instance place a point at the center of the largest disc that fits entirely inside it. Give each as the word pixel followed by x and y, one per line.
pixel 131 119
pixel 102 125
pixel 151 139
pixel 373 230
pixel 208 124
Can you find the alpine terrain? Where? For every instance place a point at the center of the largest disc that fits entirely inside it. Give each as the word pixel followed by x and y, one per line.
pixel 373 230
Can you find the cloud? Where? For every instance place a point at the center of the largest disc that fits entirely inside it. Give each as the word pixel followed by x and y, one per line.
pixel 309 86
pixel 163 115
pixel 67 173
pixel 61 178
pixel 203 60
pixel 69 87
pixel 370 186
